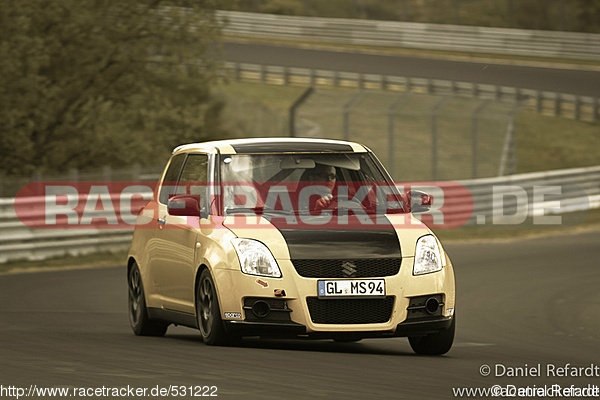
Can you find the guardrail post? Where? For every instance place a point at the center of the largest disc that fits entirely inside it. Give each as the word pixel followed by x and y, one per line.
pixel 312 79
pixel 557 105
pixel 263 74
pixel 595 107
pixel 539 101
pixel 303 97
pixel 577 108
pixel 236 72
pixel 346 116
pixel 286 76
pixel 434 137
pixel 336 79
pixel 361 81
pixel 430 87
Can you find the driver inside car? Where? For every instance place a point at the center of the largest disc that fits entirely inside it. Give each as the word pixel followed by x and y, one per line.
pixel 322 174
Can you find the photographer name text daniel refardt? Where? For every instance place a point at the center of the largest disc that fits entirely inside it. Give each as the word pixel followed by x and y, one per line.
pixel 547 370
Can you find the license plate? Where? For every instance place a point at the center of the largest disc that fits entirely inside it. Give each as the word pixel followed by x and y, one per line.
pixel 352 287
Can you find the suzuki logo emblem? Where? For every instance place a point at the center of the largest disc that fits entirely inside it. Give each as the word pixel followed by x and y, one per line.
pixel 349 269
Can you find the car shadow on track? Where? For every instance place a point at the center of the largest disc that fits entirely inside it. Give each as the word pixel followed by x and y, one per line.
pixel 393 346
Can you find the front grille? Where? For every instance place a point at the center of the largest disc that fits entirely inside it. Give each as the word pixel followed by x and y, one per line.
pixel 350 311
pixel 350 268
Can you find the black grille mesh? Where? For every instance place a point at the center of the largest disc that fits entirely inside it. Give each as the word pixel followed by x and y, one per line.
pixel 350 311
pixel 365 268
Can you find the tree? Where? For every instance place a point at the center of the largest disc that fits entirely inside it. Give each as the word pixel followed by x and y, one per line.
pixel 91 82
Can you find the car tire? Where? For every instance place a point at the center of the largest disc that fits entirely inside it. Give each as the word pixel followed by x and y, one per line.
pixel 436 343
pixel 141 324
pixel 208 312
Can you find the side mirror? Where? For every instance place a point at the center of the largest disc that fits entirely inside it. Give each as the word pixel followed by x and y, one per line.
pixel 184 205
pixel 420 202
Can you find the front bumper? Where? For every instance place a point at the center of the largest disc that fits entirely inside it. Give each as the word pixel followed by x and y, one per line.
pixel 292 329
pixel 300 318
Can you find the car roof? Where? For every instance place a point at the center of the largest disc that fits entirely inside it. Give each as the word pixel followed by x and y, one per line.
pixel 273 145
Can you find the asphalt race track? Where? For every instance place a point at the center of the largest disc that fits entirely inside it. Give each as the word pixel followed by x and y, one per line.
pixel 522 302
pixel 585 83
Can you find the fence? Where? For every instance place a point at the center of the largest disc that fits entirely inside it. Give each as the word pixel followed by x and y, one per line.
pixel 417 136
pixel 456 38
pixel 501 200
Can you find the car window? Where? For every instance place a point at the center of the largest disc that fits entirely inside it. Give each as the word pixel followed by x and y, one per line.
pixel 194 177
pixel 250 176
pixel 171 177
pixel 195 169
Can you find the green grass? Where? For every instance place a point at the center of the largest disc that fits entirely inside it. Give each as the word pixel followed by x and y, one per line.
pixel 278 98
pixel 87 261
pixel 545 143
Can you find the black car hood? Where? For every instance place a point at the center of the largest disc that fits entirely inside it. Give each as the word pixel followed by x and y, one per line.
pixel 341 243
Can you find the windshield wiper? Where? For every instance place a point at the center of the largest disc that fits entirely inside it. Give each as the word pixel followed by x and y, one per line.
pixel 257 210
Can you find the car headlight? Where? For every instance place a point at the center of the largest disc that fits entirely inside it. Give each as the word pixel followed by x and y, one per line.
pixel 428 256
pixel 256 258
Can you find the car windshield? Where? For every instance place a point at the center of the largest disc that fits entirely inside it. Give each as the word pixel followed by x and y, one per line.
pixel 296 182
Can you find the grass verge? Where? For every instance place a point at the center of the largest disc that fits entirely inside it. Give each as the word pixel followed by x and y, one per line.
pixel 96 260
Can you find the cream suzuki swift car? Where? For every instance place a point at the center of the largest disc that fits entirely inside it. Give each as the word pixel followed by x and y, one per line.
pixel 288 237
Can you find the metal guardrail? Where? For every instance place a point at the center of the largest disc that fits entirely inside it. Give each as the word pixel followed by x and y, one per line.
pixel 570 190
pixel 583 108
pixel 576 189
pixel 519 42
